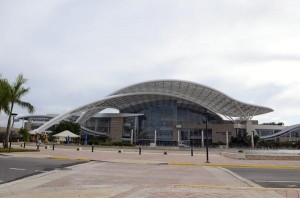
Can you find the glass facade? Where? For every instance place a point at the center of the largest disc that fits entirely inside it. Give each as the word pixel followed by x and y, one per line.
pixel 193 136
pixel 98 124
pixel 163 116
pixel 128 125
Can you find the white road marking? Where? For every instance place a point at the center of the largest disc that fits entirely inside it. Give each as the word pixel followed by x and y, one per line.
pixel 20 169
pixel 40 171
pixel 276 181
pixel 2 156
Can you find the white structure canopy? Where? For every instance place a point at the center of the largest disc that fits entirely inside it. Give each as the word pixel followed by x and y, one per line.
pixel 184 92
pixel 66 133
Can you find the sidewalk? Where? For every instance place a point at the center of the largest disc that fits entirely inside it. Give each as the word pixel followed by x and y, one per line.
pixel 128 174
pixel 154 156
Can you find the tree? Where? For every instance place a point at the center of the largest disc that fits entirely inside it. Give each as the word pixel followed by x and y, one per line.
pixel 67 125
pixel 273 123
pixel 4 95
pixel 4 99
pixel 25 134
pixel 17 91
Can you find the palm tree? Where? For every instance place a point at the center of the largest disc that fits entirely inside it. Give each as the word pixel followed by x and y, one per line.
pixel 17 91
pixel 4 95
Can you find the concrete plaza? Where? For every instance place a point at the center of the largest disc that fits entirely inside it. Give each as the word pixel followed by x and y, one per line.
pixel 110 173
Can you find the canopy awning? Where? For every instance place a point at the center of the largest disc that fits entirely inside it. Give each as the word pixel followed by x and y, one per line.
pixel 66 133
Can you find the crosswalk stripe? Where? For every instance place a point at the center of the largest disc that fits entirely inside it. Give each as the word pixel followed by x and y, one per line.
pixel 21 169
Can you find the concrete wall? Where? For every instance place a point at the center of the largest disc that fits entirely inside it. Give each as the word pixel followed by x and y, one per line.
pixel 116 129
pixel 219 132
pixel 3 129
pixel 175 133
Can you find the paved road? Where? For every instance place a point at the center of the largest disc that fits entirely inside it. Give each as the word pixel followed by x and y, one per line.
pixel 272 178
pixel 13 168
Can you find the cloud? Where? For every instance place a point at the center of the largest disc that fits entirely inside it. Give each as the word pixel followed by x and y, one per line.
pixel 76 52
pixel 258 58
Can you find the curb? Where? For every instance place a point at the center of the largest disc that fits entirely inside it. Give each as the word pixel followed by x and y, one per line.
pixel 248 182
pixel 27 178
pixel 24 154
pixel 32 177
pixel 110 161
pixel 67 158
pixel 251 166
pixel 234 187
pixel 181 164
pixel 5 154
pixel 133 162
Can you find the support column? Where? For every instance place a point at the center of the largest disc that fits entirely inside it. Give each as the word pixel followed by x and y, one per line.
pixel 189 137
pixel 206 139
pixel 227 142
pixel 252 139
pixel 202 139
pixel 155 137
pixel 131 136
pixel 136 129
pixel 85 140
pixel 96 124
pixel 178 138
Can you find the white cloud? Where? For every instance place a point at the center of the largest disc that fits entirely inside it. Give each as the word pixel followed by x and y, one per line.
pixel 76 52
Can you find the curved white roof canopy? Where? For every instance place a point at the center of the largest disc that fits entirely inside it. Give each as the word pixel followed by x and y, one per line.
pixel 207 97
pixel 181 91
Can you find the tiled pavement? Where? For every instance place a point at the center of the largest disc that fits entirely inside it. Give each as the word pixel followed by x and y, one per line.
pixel 132 175
pixel 152 156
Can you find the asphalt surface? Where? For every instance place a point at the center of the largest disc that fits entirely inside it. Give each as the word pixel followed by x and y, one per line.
pixel 13 168
pixel 271 178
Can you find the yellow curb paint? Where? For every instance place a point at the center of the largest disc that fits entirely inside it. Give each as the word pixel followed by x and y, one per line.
pixel 60 158
pixel 252 166
pixel 83 159
pixel 181 164
pixel 233 187
pixel 66 158
pixel 222 187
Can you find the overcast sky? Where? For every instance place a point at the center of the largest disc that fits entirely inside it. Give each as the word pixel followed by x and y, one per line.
pixel 75 52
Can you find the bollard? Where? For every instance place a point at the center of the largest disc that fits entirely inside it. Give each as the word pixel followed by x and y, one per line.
pixel 53 147
pixel 165 153
pixel 140 150
pixel 192 152
pixel 24 145
pixel 92 148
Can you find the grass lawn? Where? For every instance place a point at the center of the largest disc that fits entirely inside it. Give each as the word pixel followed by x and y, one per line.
pixel 5 150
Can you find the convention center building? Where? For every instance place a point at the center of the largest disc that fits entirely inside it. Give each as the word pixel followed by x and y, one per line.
pixel 166 112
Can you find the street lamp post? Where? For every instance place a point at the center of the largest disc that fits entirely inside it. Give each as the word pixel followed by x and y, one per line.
pixel 206 138
pixel 12 126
